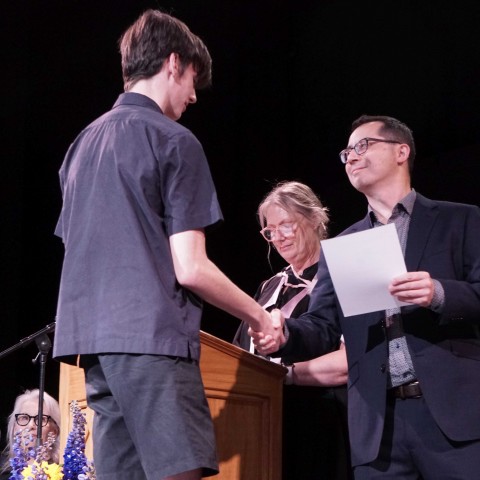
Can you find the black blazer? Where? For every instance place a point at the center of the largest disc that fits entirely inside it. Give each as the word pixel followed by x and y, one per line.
pixel 444 240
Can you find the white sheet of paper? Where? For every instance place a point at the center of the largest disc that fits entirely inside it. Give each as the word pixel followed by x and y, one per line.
pixel 362 265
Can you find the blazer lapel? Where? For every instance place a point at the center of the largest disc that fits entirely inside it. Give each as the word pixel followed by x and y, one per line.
pixel 423 218
pixel 360 226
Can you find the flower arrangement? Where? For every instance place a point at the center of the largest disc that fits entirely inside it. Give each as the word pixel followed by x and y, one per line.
pixel 23 453
pixel 76 466
pixel 31 463
pixel 43 471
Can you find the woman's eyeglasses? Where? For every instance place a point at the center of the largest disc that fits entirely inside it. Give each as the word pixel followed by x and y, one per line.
pixel 23 419
pixel 285 229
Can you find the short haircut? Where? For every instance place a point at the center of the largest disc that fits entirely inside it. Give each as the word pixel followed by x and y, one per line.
pixel 394 129
pixel 149 41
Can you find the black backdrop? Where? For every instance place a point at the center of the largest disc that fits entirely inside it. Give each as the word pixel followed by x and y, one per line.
pixel 289 77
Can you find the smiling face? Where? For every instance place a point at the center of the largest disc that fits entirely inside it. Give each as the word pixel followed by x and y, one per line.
pixel 379 166
pixel 181 91
pixel 301 247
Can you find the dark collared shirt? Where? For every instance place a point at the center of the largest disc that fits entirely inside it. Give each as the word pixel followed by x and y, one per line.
pixel 129 181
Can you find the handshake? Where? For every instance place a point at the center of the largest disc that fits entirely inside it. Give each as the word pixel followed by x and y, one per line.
pixel 271 337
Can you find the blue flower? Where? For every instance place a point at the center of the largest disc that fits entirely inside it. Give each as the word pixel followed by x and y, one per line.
pixel 23 453
pixel 31 463
pixel 75 460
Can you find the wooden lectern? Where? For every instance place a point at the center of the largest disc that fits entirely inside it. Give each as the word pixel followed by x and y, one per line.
pixel 244 393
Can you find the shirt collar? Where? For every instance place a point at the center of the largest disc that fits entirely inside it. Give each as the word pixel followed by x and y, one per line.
pixel 406 204
pixel 131 98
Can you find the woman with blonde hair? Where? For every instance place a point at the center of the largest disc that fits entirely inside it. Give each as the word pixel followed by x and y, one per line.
pixel 315 437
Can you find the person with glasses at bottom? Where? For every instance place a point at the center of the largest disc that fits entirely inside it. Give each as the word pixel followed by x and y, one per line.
pixel 24 418
pixel 315 437
pixel 414 371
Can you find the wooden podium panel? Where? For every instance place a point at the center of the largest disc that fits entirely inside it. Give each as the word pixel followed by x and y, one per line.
pixel 244 393
pixel 72 387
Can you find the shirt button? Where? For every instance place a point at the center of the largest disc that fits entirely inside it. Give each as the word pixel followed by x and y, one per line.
pixel 383 368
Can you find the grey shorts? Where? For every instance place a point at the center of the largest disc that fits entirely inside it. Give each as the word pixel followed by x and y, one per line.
pixel 151 416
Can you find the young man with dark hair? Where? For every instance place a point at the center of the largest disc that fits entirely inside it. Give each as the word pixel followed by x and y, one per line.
pixel 137 198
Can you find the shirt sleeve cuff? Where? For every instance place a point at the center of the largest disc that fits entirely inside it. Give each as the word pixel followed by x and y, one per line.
pixel 438 299
pixel 286 333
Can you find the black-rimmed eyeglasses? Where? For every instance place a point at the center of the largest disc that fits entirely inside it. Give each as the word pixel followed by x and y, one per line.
pixel 361 147
pixel 23 419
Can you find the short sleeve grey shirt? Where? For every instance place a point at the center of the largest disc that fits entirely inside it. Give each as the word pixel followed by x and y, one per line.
pixel 129 181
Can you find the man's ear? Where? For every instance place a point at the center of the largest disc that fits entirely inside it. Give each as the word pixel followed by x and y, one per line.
pixel 173 64
pixel 403 153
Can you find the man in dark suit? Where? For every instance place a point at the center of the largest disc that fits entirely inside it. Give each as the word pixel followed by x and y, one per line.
pixel 414 372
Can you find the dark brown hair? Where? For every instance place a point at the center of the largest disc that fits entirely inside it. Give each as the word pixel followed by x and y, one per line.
pixel 147 43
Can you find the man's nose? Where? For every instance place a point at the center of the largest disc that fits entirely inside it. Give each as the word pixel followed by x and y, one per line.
pixel 352 156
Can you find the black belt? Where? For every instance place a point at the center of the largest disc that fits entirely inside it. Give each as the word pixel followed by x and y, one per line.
pixel 409 390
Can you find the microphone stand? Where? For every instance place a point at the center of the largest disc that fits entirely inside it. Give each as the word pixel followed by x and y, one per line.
pixel 44 345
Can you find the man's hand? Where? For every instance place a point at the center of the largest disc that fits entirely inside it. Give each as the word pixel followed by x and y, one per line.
pixel 413 287
pixel 272 338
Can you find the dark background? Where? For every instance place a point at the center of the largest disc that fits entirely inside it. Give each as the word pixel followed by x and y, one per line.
pixel 289 78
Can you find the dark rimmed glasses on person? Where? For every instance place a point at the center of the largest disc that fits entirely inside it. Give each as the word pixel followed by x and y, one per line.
pixel 361 147
pixel 286 230
pixel 23 419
